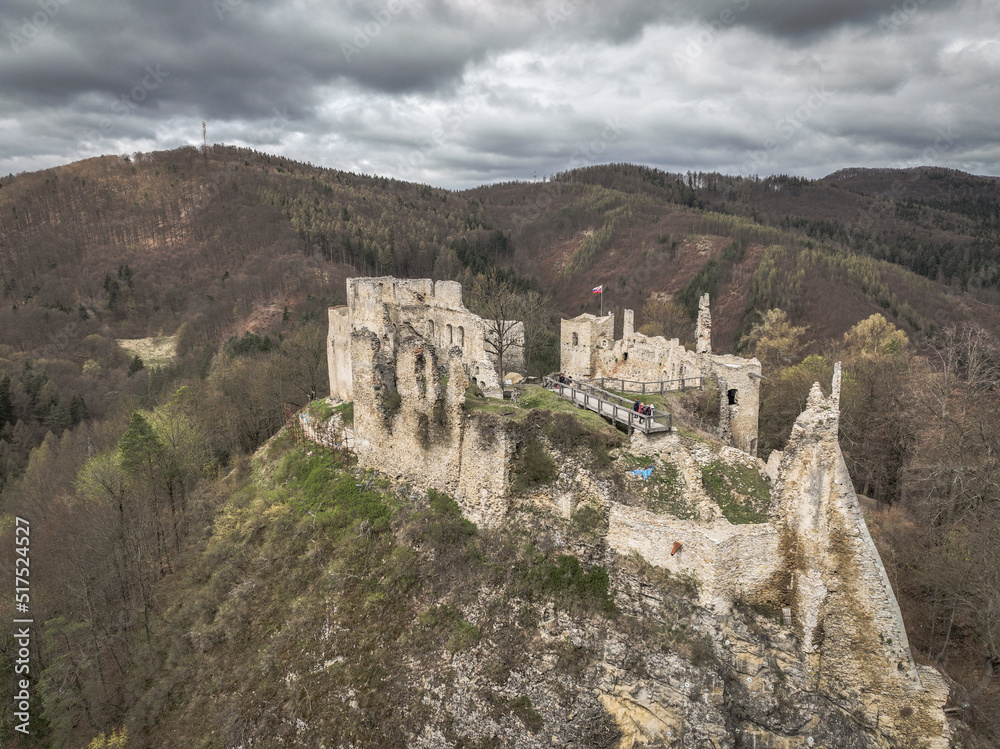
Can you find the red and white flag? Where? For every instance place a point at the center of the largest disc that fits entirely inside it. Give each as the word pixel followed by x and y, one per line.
pixel 599 289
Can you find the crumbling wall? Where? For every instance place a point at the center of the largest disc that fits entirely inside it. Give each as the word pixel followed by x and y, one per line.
pixel 739 398
pixel 588 350
pixel 338 353
pixel 703 328
pixel 409 423
pixel 432 309
pixel 730 562
pixel 580 340
pixel 648 359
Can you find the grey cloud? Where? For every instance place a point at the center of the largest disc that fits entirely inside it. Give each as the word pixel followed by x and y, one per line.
pixel 491 90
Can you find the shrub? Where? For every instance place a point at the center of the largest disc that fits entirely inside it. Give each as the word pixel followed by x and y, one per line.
pixel 249 345
pixel 533 465
pixel 566 584
pixel 521 707
pixel 587 519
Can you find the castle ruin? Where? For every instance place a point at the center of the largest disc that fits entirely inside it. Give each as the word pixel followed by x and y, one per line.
pixel 388 307
pixel 588 351
pixel 811 557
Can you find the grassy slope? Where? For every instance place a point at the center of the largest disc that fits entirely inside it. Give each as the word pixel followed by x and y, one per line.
pixel 325 603
pixel 323 597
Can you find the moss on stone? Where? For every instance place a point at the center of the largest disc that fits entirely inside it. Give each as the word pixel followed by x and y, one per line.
pixel 742 493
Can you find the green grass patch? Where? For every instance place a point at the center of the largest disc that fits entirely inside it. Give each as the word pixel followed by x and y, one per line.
pixel 536 397
pixel 336 499
pixel 743 495
pixel 564 582
pixel 346 411
pixel 663 491
pixel 444 625
pixel 533 466
pixel 492 406
pixel 320 409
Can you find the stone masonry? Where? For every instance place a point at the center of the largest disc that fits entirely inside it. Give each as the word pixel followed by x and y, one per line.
pixel 813 559
pixel 588 350
pixel 409 423
pixel 434 309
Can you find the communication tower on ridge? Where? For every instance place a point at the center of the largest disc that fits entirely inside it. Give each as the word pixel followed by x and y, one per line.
pixel 204 137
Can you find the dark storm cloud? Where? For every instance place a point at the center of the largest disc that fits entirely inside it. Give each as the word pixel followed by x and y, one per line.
pixel 454 90
pixel 803 20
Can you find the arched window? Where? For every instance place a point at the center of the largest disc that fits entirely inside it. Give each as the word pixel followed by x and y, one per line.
pixel 461 336
pixel 451 338
pixel 430 328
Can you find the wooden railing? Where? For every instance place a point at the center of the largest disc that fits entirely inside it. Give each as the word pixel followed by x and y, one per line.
pixel 645 388
pixel 609 405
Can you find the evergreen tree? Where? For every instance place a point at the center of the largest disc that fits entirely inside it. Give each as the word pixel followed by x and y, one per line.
pixel 6 404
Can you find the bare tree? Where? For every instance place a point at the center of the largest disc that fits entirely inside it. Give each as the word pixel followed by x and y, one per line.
pixel 502 308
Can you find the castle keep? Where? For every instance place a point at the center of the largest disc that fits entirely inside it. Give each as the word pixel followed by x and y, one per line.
pixel 588 351
pixel 388 307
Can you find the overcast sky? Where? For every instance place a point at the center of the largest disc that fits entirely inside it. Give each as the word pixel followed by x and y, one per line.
pixel 458 93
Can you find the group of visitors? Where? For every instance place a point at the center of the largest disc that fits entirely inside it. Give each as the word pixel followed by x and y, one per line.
pixel 643 409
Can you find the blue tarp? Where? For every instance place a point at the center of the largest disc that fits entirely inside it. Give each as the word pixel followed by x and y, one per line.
pixel 644 472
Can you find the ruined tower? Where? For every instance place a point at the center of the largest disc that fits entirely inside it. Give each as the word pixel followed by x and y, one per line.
pixel 703 333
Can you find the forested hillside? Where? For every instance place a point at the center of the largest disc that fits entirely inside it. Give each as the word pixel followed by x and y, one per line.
pixel 136 472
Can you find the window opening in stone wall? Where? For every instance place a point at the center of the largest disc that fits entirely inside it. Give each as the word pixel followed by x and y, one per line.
pixel 732 396
pixel 625 356
pixel 451 334
pixel 461 336
pixel 430 328
pixel 576 339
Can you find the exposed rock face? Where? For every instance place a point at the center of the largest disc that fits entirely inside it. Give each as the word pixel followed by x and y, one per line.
pixel 843 607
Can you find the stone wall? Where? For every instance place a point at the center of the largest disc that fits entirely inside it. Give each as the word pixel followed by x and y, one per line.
pixel 730 562
pixel 409 423
pixel 432 309
pixel 338 353
pixel 580 340
pixel 815 559
pixel 739 398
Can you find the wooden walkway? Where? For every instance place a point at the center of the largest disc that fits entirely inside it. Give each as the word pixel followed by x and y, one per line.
pixel 609 405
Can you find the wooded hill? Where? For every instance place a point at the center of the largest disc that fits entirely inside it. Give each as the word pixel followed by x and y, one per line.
pixel 210 238
pixel 207 245
pixel 238 254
